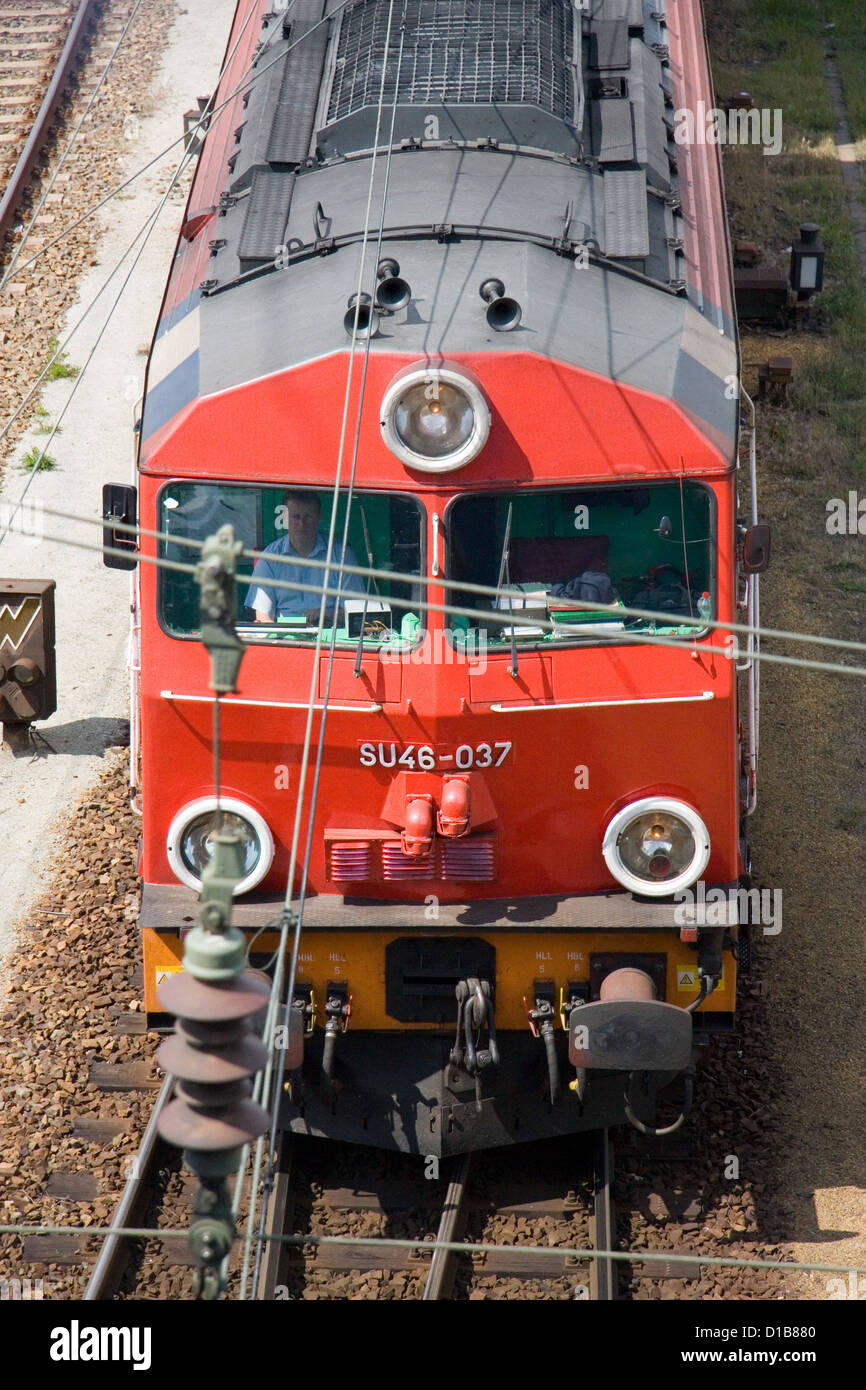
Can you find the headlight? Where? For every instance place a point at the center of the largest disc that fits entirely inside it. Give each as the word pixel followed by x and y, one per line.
pixel 655 846
pixel 190 841
pixel 435 419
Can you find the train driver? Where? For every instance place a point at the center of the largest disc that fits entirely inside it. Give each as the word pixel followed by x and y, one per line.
pixel 301 539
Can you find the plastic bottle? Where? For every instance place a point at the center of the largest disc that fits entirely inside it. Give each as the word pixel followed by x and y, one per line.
pixel 704 607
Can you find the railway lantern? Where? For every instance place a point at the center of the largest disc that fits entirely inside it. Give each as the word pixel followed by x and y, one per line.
pixel 28 682
pixel 807 261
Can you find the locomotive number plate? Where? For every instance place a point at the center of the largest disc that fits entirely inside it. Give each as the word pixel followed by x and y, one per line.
pixel 424 757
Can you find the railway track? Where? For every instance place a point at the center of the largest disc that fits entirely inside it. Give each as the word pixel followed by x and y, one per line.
pixel 115 1254
pixel 466 1204
pixel 40 47
pixel 564 1202
pixel 529 1213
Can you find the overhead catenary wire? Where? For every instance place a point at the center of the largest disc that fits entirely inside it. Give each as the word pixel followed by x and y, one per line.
pixel 464 586
pixel 663 1257
pixel 205 119
pixel 633 638
pixel 145 230
pixel 277 1085
pixel 297 914
pixel 290 918
pixel 7 275
pixel 152 220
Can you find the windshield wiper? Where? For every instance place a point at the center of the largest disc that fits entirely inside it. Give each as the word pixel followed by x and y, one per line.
pixel 505 576
pixel 359 653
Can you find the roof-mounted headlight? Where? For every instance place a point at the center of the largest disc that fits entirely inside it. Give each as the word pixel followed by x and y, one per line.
pixel 656 846
pixel 435 418
pixel 190 840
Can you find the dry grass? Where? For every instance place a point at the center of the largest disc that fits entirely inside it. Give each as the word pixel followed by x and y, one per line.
pixel 809 833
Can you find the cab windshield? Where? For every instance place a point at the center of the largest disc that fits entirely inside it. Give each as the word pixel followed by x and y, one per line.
pixel 632 547
pixel 291 525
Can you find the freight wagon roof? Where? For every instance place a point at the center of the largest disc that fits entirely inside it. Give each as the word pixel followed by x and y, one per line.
pixel 524 130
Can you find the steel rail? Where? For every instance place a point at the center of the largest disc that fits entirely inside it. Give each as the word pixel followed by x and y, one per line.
pixel 29 156
pixel 271 1269
pixel 602 1277
pixel 443 1266
pixel 108 1270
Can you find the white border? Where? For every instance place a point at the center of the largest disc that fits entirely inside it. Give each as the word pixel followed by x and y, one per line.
pixel 648 888
pixel 452 376
pixel 226 803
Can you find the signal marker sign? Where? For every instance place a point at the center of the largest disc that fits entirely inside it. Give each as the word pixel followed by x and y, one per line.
pixel 15 623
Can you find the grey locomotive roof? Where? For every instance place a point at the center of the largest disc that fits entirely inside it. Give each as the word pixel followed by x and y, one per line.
pixel 524 130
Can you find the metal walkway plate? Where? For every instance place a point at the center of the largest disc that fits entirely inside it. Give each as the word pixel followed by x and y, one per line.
pixel 626 227
pixel 613 130
pixel 629 10
pixel 266 216
pixel 608 44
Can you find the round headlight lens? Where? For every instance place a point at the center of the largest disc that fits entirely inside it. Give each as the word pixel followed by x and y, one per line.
pixel 656 847
pixel 191 836
pixel 435 419
pixel 196 842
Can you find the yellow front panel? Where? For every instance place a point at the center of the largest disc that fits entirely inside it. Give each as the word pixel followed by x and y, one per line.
pixel 162 957
pixel 521 958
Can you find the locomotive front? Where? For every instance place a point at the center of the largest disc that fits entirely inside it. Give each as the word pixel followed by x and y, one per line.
pixel 516 806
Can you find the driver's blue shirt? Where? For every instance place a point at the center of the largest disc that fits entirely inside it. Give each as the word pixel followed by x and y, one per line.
pixel 278 602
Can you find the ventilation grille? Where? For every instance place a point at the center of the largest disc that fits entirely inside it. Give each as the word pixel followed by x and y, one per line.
pixel 351 861
pixel 396 864
pixel 471 860
pixel 457 51
pixel 468 859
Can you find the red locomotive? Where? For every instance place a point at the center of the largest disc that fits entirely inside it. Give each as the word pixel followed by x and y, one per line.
pixel 544 402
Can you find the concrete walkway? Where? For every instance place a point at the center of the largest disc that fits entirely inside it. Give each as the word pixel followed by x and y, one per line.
pixel 95 447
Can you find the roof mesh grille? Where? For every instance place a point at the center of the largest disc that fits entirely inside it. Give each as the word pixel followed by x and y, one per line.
pixel 457 52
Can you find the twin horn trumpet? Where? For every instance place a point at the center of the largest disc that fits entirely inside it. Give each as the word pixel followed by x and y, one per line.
pixel 392 294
